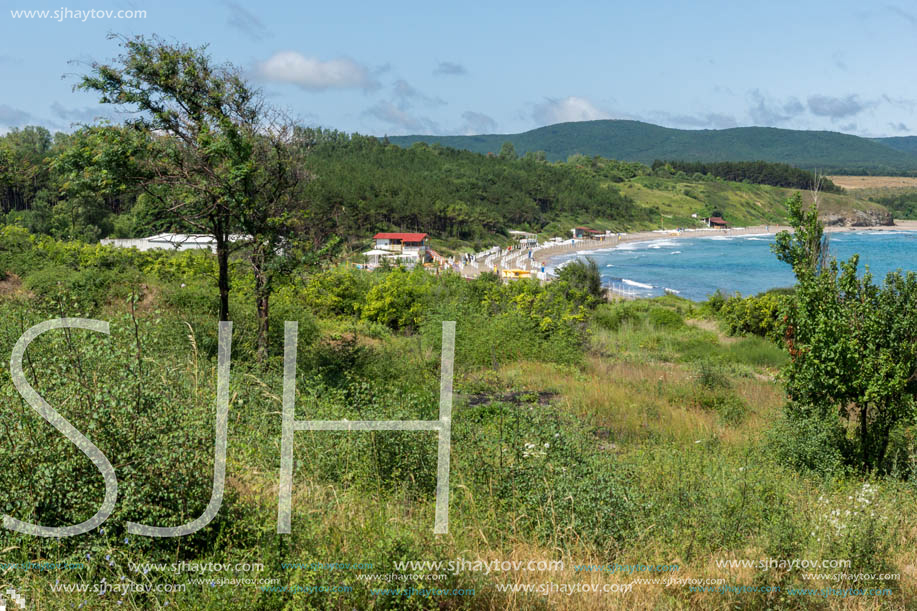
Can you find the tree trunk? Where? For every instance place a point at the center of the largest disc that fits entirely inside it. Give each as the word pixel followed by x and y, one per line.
pixel 223 271
pixel 864 439
pixel 262 301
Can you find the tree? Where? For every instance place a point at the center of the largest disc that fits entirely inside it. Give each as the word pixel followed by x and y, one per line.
pixel 272 212
pixel 508 151
pixel 230 163
pixel 852 344
pixel 204 117
pixel 583 277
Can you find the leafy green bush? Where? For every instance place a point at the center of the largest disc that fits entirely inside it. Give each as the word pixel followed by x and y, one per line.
pixel 583 277
pixel 88 287
pixel 337 292
pixel 610 316
pixel 197 297
pixel 399 300
pixel 141 407
pixel 663 318
pixel 809 444
pixel 716 301
pixel 759 315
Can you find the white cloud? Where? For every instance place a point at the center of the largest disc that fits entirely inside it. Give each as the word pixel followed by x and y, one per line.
pixel 836 108
pixel 710 120
pixel 767 112
pixel 477 123
pixel 80 115
pixel 314 74
pixel 13 117
pixel 568 109
pixel 405 92
pixel 401 119
pixel 450 69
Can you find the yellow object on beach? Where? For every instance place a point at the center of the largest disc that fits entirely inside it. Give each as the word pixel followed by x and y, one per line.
pixel 513 274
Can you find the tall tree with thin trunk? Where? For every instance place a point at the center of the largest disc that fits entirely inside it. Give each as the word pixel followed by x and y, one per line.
pixel 204 116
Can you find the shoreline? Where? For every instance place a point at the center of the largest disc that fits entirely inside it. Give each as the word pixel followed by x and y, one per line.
pixel 544 256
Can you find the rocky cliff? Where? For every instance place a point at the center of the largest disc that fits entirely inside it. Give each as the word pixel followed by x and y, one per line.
pixel 859 218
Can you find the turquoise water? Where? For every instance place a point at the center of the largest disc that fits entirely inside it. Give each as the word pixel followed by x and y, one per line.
pixel 696 267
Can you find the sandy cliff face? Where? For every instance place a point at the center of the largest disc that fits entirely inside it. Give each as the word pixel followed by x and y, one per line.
pixel 859 218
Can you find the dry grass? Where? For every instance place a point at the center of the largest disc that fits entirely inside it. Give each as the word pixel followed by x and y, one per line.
pixel 11 287
pixel 873 182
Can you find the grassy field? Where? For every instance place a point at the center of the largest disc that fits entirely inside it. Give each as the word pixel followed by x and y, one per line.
pixel 741 204
pixel 873 182
pixel 633 433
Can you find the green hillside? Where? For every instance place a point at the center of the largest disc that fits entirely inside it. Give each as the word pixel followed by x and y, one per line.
pixel 672 201
pixel 644 142
pixel 907 144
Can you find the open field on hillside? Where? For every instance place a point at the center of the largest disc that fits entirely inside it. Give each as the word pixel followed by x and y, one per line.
pixel 873 182
pixel 740 204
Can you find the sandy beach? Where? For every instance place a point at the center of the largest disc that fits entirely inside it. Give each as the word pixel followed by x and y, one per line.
pixel 543 255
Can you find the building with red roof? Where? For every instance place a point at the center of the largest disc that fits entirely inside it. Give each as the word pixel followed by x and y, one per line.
pixel 716 221
pixel 406 247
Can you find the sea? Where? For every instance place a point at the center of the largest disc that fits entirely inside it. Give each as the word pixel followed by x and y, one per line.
pixel 696 267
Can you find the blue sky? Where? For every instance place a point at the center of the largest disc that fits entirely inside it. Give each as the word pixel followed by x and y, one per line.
pixel 502 67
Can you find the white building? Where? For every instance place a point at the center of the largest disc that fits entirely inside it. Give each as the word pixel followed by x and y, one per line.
pixel 408 248
pixel 526 238
pixel 172 241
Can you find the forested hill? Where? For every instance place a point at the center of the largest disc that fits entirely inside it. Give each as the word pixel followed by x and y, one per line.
pixel 636 141
pixel 362 182
pixel 907 144
pixel 360 185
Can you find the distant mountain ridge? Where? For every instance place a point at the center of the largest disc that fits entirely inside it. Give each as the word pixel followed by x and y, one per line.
pixel 644 142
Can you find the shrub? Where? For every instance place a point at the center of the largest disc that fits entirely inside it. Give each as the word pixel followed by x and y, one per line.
pixel 337 292
pixel 399 300
pixel 759 315
pixel 87 287
pixel 710 375
pixel 729 407
pixel 809 444
pixel 157 429
pixel 663 318
pixel 716 301
pixel 610 316
pixel 583 277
